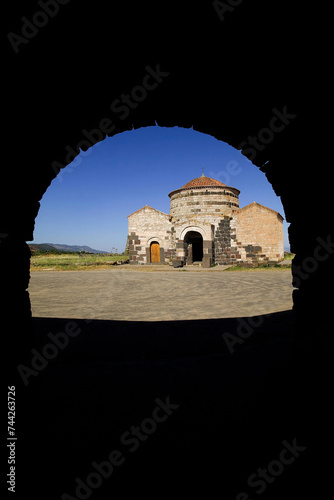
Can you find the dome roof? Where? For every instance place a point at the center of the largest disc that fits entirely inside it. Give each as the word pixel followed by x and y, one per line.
pixel 203 181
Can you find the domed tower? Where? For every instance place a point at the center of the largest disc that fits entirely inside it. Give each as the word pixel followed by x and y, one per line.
pixel 197 210
pixel 202 199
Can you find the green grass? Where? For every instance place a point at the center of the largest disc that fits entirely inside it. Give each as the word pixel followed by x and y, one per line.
pixel 261 267
pixel 73 262
pixel 287 256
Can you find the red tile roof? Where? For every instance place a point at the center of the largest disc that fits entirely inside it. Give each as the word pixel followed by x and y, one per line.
pixel 202 182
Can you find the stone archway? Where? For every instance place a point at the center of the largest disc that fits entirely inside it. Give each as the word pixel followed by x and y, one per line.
pixel 194 250
pixel 150 85
pixel 221 85
pixel 205 232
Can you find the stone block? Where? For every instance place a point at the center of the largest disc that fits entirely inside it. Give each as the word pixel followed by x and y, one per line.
pixel 207 244
pixel 207 261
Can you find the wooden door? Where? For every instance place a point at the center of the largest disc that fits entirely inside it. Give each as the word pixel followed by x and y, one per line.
pixel 155 253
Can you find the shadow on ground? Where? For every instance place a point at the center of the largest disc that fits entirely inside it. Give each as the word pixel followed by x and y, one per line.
pixel 230 412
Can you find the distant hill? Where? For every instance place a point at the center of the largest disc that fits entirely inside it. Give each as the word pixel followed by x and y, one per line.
pixel 66 248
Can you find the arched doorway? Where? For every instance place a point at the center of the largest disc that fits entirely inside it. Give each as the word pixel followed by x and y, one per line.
pixel 194 248
pixel 155 252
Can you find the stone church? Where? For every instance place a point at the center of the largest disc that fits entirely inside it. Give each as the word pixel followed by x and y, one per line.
pixel 205 225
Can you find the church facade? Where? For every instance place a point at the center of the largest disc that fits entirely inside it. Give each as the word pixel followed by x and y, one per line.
pixel 205 225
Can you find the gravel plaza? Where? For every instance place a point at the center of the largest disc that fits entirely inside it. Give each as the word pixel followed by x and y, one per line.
pixel 160 294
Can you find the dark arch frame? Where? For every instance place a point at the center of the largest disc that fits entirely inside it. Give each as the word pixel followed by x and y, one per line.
pixel 196 94
pixel 227 74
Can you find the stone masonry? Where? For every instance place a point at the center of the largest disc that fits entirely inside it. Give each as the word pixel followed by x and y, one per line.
pixel 149 225
pixel 206 225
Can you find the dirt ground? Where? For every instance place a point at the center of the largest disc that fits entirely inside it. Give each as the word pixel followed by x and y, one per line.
pixel 159 293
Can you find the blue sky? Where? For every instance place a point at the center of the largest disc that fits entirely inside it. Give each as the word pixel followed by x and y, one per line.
pixel 88 203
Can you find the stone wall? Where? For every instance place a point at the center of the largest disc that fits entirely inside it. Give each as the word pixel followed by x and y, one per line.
pixel 259 234
pixel 145 226
pixel 225 250
pixel 203 204
pixel 252 234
